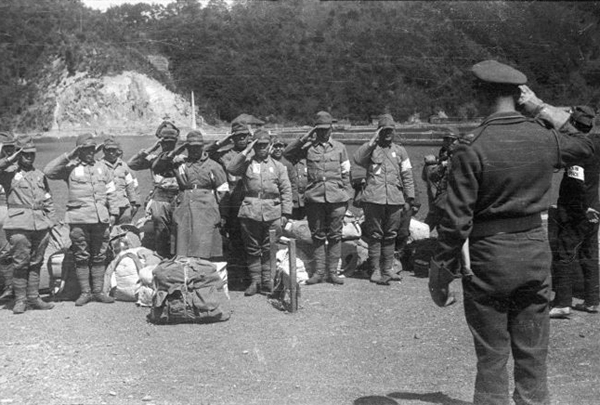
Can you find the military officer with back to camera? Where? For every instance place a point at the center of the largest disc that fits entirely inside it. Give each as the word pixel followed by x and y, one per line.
pixel 327 194
pixel 126 183
pixel 499 185
pixel 30 218
pixel 7 148
pixel 388 195
pixel 159 204
pixel 267 205
pixel 91 207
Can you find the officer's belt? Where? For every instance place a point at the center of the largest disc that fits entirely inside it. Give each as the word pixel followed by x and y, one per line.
pixel 482 228
pixel 196 187
pixel 36 207
pixel 164 195
pixel 261 195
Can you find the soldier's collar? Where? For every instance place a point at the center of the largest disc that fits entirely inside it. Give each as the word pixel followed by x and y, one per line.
pixel 501 118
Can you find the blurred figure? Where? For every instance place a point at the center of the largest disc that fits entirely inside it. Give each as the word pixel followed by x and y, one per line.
pixel 125 182
pixel 159 202
pixel 297 175
pixel 388 196
pixel 91 208
pixel 30 217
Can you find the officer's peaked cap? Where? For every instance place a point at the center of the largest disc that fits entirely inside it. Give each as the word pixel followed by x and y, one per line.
pixel 238 128
pixel 492 71
pixel 195 138
pixel 277 140
pixel 111 143
pixel 262 136
pixel 169 134
pixel 583 115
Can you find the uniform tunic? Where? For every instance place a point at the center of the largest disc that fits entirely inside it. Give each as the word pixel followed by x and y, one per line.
pixel 126 186
pixel 499 184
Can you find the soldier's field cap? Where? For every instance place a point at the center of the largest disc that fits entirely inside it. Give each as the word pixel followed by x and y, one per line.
pixel 262 137
pixel 25 143
pixel 492 71
pixel 194 138
pixel 111 143
pixel 451 133
pixel 277 140
pixel 386 121
pixel 323 120
pixel 583 115
pixel 6 138
pixel 85 140
pixel 168 134
pixel 238 128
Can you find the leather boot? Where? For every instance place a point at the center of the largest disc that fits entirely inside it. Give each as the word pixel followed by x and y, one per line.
pixel 83 277
pixel 266 283
pixel 33 295
pixel 388 274
pixel 20 290
pixel 255 270
pixel 320 261
pixel 7 272
pixel 334 253
pixel 98 271
pixel 375 259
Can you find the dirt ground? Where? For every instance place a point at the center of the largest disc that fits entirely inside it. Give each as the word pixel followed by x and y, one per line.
pixel 354 344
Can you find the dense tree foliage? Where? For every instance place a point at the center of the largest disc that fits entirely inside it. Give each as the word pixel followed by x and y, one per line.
pixel 285 60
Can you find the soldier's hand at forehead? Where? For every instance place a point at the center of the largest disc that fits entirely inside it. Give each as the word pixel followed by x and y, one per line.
pixel 530 102
pixel 15 155
pixel 73 154
pixel 375 137
pixel 309 135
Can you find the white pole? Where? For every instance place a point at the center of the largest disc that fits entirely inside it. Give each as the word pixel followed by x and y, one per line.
pixel 193 112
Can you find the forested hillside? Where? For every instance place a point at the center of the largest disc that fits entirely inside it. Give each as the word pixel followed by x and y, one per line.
pixel 284 60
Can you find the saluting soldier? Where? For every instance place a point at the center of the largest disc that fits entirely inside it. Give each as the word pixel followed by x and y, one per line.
pixel 7 148
pixel 267 204
pixel 126 184
pixel 165 185
pixel 388 195
pixel 30 217
pixel 91 208
pixel 499 185
pixel 327 194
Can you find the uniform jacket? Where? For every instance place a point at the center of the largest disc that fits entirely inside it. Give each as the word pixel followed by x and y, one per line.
pixel 501 179
pixel 125 183
pixel 224 155
pixel 165 180
pixel 267 188
pixel 389 174
pixel 92 196
pixel 30 205
pixel 328 170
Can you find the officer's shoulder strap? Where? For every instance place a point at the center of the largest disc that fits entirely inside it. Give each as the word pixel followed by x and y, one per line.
pixel 472 136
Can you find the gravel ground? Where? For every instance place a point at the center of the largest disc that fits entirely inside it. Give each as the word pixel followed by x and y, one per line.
pixel 355 344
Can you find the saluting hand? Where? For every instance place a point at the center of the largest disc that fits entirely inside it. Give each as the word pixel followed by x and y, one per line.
pixel 73 154
pixel 309 136
pixel 375 137
pixel 15 155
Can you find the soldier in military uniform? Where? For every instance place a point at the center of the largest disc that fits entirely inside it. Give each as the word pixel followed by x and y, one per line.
pixel 327 194
pixel 126 184
pixel 91 207
pixel 30 217
pixel 297 175
pixel 388 195
pixel 7 148
pixel 499 185
pixel 267 204
pixel 165 188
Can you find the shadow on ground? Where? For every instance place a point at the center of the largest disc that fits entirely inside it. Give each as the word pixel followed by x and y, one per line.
pixel 394 398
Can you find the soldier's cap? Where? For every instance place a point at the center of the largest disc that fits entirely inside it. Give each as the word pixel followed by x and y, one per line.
pixel 492 71
pixel 25 143
pixel 277 140
pixel 451 133
pixel 262 137
pixel 6 138
pixel 168 134
pixel 386 121
pixel 111 143
pixel 324 120
pixel 238 128
pixel 583 116
pixel 247 119
pixel 194 138
pixel 86 140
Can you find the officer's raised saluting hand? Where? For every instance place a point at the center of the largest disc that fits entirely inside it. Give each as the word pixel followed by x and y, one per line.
pixel 74 153
pixel 152 148
pixel 309 136
pixel 375 137
pixel 177 150
pixel 15 155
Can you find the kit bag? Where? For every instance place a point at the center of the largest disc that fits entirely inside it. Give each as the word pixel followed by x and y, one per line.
pixel 188 290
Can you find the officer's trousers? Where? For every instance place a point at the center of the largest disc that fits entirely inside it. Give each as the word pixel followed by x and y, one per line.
pixel 506 307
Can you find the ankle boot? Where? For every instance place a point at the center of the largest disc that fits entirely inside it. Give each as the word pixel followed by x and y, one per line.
pixel 20 289
pixel 98 293
pixel 334 253
pixel 388 274
pixel 266 283
pixel 33 296
pixel 83 277
pixel 255 269
pixel 375 259
pixel 319 261
pixel 252 289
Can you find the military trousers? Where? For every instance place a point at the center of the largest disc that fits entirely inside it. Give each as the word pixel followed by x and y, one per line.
pixel 162 218
pixel 89 243
pixel 506 306
pixel 382 221
pixel 27 250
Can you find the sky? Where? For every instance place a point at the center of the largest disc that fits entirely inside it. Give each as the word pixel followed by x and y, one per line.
pixel 105 4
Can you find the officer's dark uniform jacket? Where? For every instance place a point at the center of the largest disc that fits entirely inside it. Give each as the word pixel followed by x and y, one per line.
pixel 328 168
pixel 30 205
pixel 267 188
pixel 165 183
pixel 92 192
pixel 488 193
pixel 389 174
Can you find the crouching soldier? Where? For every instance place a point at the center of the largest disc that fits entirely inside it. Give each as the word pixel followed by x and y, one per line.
pixel 267 204
pixel 30 217
pixel 91 207
pixel 388 195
